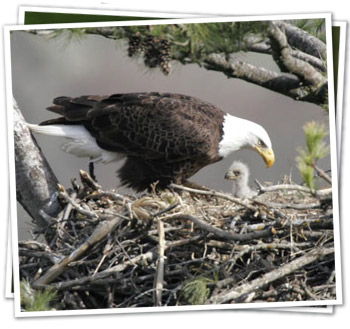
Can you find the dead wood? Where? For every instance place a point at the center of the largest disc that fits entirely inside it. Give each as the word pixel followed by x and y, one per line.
pixel 183 246
pixel 272 276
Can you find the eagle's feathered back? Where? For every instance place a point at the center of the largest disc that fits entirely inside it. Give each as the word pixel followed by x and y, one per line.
pixel 166 137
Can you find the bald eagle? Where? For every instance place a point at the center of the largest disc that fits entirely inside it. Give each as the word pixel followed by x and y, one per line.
pixel 239 174
pixel 164 137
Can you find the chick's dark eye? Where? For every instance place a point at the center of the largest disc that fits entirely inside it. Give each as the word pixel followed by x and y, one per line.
pixel 236 173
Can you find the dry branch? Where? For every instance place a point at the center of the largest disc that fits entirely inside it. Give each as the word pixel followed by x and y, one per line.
pixel 215 194
pixel 106 273
pixel 159 277
pixel 99 233
pixel 294 187
pixel 259 283
pixel 221 233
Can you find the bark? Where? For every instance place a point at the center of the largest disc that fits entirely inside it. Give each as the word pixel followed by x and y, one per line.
pixel 300 39
pixel 36 184
pixel 265 48
pixel 279 82
pixel 281 53
pixel 299 55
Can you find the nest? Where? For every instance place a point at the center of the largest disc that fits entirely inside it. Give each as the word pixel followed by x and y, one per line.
pixel 183 246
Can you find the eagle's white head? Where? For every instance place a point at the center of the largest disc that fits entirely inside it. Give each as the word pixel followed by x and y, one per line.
pixel 240 133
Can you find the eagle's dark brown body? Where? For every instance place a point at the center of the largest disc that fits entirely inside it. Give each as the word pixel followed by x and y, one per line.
pixel 165 137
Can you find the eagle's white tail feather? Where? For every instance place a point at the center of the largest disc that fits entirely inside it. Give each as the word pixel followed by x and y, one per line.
pixel 68 131
pixel 78 141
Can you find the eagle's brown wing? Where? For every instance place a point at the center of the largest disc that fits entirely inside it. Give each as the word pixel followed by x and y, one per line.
pixel 153 126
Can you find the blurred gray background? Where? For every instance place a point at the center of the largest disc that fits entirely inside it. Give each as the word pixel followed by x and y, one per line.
pixel 43 69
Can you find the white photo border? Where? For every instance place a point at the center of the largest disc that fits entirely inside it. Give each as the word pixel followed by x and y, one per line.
pixel 334 161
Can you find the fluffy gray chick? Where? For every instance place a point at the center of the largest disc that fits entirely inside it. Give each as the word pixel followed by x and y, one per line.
pixel 239 174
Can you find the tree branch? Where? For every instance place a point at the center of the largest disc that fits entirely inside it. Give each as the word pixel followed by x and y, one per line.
pixel 36 184
pixel 265 48
pixel 288 85
pixel 302 40
pixel 303 65
pixel 228 235
pixel 281 53
pixel 159 277
pixel 294 187
pixel 282 271
pixel 100 232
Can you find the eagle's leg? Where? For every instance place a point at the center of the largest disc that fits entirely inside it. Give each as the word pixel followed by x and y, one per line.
pixel 92 171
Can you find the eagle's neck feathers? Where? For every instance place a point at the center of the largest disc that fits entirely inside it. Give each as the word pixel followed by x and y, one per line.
pixel 239 134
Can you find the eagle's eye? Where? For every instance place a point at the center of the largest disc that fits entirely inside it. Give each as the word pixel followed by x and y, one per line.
pixel 236 173
pixel 261 143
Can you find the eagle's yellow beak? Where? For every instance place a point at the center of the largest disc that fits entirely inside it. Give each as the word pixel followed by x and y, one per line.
pixel 267 155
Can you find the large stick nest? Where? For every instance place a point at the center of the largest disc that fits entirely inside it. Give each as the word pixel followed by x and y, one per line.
pixel 183 247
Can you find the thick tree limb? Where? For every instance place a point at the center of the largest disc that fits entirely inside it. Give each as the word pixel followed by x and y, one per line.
pixel 285 84
pixel 281 53
pixel 300 39
pixel 36 184
pixel 265 48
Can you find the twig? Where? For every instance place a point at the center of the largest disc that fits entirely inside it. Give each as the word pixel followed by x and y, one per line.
pixel 52 257
pixel 77 207
pixel 183 242
pixel 107 248
pixel 215 194
pixel 68 208
pixel 308 291
pixel 299 206
pixel 34 245
pixel 113 196
pixel 159 277
pixel 99 233
pixel 267 278
pixel 161 212
pixel 221 233
pixel 290 187
pixel 323 221
pixel 124 267
pixel 108 272
pixel 110 293
pixel 321 173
